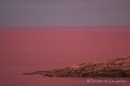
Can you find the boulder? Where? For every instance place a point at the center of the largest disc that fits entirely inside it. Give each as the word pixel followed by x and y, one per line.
pixel 110 74
pixel 119 67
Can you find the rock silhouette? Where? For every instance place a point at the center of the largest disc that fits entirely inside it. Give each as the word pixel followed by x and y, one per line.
pixel 119 67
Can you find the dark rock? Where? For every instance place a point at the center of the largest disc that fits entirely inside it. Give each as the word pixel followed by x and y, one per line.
pixel 110 74
pixel 119 67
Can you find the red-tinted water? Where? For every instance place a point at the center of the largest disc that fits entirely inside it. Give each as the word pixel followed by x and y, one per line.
pixel 48 50
pixel 31 51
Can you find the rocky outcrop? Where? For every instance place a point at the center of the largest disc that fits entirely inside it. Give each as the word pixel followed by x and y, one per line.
pixel 119 67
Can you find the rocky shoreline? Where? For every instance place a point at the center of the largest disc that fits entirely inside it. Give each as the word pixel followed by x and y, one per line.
pixel 119 67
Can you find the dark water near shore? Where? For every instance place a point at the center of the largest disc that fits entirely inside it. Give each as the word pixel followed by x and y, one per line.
pixel 37 80
pixel 27 52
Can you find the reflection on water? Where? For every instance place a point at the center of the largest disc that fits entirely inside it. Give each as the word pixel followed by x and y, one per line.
pixel 27 52
pixel 37 80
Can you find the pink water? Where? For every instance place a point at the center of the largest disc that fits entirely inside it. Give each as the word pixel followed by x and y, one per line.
pixel 31 51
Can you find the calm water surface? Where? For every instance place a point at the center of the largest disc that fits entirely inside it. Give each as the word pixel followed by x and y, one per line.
pixel 37 80
pixel 26 52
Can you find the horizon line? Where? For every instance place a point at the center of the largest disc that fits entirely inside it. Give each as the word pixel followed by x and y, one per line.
pixel 65 29
pixel 75 26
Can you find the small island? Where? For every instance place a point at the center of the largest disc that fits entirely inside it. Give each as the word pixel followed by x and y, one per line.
pixel 119 67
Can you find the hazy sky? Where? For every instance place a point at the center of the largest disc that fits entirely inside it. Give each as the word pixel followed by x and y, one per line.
pixel 64 12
